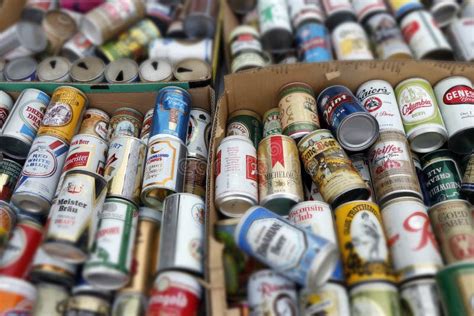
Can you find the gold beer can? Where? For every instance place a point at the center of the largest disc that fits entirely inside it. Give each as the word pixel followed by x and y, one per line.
pixel 96 123
pixel 195 176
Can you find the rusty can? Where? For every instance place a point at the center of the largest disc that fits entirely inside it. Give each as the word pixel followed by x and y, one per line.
pixel 420 297
pixel 245 123
pixel 125 122
pixel 331 169
pixel 146 126
pixel 195 176
pixel 48 269
pixel 95 123
pixel 271 123
pixel 10 171
pixel 89 69
pixel 8 219
pixel 199 133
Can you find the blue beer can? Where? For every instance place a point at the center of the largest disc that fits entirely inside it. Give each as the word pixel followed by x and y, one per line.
pixel 291 251
pixel 314 45
pixel 171 115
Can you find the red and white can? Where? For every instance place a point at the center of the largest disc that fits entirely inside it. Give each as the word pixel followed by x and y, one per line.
pixel 315 216
pixel 6 104
pixel 459 34
pixel 411 240
pixel 174 293
pixel 236 176
pixel 17 297
pixel 366 8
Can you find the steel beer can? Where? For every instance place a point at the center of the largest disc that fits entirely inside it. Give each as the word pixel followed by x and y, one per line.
pixel 192 69
pixel 146 126
pixel 48 269
pixel 199 133
pixel 377 298
pixel 331 299
pixel 54 68
pixel 16 296
pixel 271 123
pixel 89 69
pixel 125 122
pixel 6 104
pixel 10 171
pixel 456 287
pixel 362 243
pixel 313 42
pixel 122 70
pixel 51 297
pixel 274 26
pixel 195 176
pixel 21 69
pixel 462 44
pixel 350 42
pixel 95 123
pixel 420 297
pixel 444 11
pixel 8 220
pixel 245 123
pixel 77 47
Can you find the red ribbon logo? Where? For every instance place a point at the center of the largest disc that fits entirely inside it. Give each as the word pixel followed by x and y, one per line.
pixel 411 225
pixel 276 151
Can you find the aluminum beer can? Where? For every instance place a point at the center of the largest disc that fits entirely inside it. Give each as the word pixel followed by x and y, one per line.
pixel 236 176
pixel 455 97
pixel 362 243
pixel 377 298
pixel 21 248
pixel 313 42
pixel 122 70
pixel 16 296
pixel 364 9
pixel 195 176
pixel 155 70
pixel 291 251
pixel 274 26
pixel 350 42
pixel 361 164
pixel 171 115
pixel 40 175
pixel 279 174
pixel 77 47
pixel 125 122
pixel 462 44
pixel 124 168
pixel 8 220
pixel 421 117
pixel 21 69
pixel 467 186
pixel 337 11
pixel 6 104
pixel 89 69
pixel 400 8
pixel 51 297
pixel 331 169
pixel 452 223
pixel 271 123
pixel 111 255
pixel 95 123
pixel 271 294
pixel 175 50
pixel 87 304
pixel 199 133
pixel 10 171
pixel 146 126
pixel 245 123
pixel 331 299
pixel 54 68
pixel 420 297
pixel 22 124
pixel 49 269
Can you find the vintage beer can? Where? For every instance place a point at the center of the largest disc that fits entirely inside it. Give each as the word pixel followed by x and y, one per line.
pixel 337 11
pixel 236 176
pixel 40 175
pixel 89 69
pixel 453 226
pixel 200 19
pixel 122 70
pixel 376 298
pixel 350 42
pixel 362 243
pixel 442 176
pixel 54 68
pixel 420 297
pixel 392 168
pixel 146 126
pixel 124 168
pixel 195 176
pixel 175 293
pixel 155 70
pixel 456 288
pixel 421 117
pixel 87 304
pixel 364 9
pixel 21 248
pixel 331 299
pixel 421 178
pixel 271 123
pixel 164 169
pixel 279 174
pixel 302 11
pixel 51 297
pixel 174 50
pixel 424 37
pixel 125 122
pixel 73 217
pixel 49 269
pixel 77 47
pixel 248 60
pixel 10 171
pixel 400 8
pixel 21 69
pixel 87 152
pixel 23 122
pixel 289 250
pixel 455 97
pixel 313 42
pixel 411 241
pixel 271 294
pixel 245 123
pixel 6 104
pixel 244 39
pixel 331 169
pixel 361 164
pixel 182 234
pixel 111 255
pixel 17 297
pixel 193 69
pixel 8 220
pixel 274 26
pixel 463 45
pixel 467 186
pixel 444 11
pixel 129 303
pixel 199 133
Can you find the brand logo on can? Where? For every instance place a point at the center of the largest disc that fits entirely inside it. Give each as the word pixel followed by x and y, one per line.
pixel 79 159
pixel 59 114
pixel 41 163
pixel 414 99
pixel 373 104
pixel 251 163
pixel 333 103
pixel 419 223
pixel 410 30
pixel 237 128
pixel 461 246
pixel 459 95
pixel 31 115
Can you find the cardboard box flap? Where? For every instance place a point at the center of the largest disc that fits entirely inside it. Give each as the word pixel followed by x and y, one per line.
pixel 10 12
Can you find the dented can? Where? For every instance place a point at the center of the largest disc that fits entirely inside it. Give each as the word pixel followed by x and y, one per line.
pixel 146 126
pixel 95 123
pixel 125 122
pixel 245 123
pixel 49 269
pixel 420 297
pixel 10 171
pixel 455 285
pixel 271 123
pixel 331 299
pixel 195 176
pixel 8 220
pixel 375 298
pixel 199 133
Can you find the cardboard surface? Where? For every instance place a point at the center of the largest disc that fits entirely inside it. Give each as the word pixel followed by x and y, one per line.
pixel 257 90
pixel 10 11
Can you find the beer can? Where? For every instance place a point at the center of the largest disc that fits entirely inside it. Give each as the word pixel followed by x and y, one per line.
pixel 279 174
pixel 411 241
pixel 400 8
pixel 22 124
pixel 456 288
pixel 467 9
pixel 313 42
pixel 377 298
pixel 16 296
pixel 95 123
pixel 73 217
pixel 122 70
pixel 245 123
pixel 420 297
pixel 199 133
pixel 331 299
pixel 236 176
pixel 456 102
pixel 424 37
pixel 362 243
pixel 271 294
pixel 146 126
pixel 164 169
pixel 271 122
pixel 350 42
pixel 392 168
pixel 195 176
pixel 244 38
pixel 21 69
pixel 337 11
pixel 463 45
pixel 40 175
pixel 58 27
pixel 452 223
pixel 443 179
pixel 421 117
pixel 291 251
pixel 10 171
pixel 125 122
pixel 6 104
pixel 421 178
pixel 175 293
pixel 155 70
pixel 302 11
pixel 311 190
pixel 88 69
pixel 124 168
pixel 171 114
pixel 21 248
pixel 275 26
pixel 77 47
pixel 384 32
pixel 50 299
pixel 248 60
pixel 364 9
pixel 242 7
pixel 467 186
pixel 110 258
pixel 129 303
pixel 192 69
pixel 361 164
pixel 49 269
pixel 8 220
pixel 444 11
pixel 200 20
pixel 175 50
pixel 87 304
pixel 54 68
pixel 331 169
pixel 354 127
pixel 24 34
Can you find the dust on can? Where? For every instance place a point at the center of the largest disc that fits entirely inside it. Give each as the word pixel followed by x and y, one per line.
pixel 146 126
pixel 271 123
pixel 21 69
pixel 456 288
pixel 49 269
pixel 298 112
pixel 17 297
pixel 193 69
pixel 175 293
pixel 8 219
pixel 125 122
pixel 455 97
pixel 467 186
pixel 95 123
pixel 195 176
pixel 361 163
pixel 420 297
pixel 376 298
pixel 89 69
pixel 337 11
pixel 21 248
pixel 236 176
pixel 400 8
pixel 155 70
pixel 463 45
pixel 331 169
pixel 354 127
pixel 350 42
pixel 289 250
pixel 54 68
pixel 22 124
pixel 452 223
pixel 362 243
pixel 199 133
pixel 313 42
pixel 110 259
pixel 124 168
pixel 271 294
pixel 86 304
pixel 364 9
pixel 279 174
pixel 77 47
pixel 245 123
pixel 10 171
pixel 122 70
pixel 331 299
pixel 275 26
pixel 411 241
pixel 51 298
pixel 6 104
pixel 421 117
pixel 392 168
pixel 40 175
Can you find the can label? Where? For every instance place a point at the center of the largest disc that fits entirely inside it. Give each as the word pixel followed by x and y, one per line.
pixel 273 15
pixel 7 221
pixel 375 300
pixel 330 299
pixel 350 42
pixel 271 123
pixel 361 164
pixel 199 133
pixel 146 126
pixel 10 171
pixel 125 122
pixel 95 123
pixel 468 178
pixel 247 60
pixel 420 298
pixel 245 42
pixel 246 124
pixel 195 177
pixel 86 153
pixel 313 42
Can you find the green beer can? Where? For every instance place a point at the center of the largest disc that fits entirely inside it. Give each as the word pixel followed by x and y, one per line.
pixel 271 122
pixel 375 299
pixel 456 287
pixel 245 123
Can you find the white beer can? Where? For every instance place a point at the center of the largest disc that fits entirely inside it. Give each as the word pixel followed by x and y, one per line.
pixel 6 104
pixel 460 36
pixel 350 42
pixel 175 51
pixel 444 11
pixel 199 133
pixel 315 216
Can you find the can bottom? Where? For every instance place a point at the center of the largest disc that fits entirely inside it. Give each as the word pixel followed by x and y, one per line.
pixel 462 142
pixel 105 278
pixel 234 205
pixel 280 203
pixel 323 268
pixel 351 195
pixel 65 251
pixel 14 147
pixel 428 139
pixel 31 202
pixel 358 131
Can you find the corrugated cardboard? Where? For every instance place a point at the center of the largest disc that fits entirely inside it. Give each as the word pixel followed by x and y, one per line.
pixel 10 11
pixel 257 90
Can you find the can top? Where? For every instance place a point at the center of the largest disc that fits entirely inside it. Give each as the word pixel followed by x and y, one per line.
pixel 59 23
pixel 155 69
pixel 192 69
pixel 20 68
pixel 444 12
pixel 122 70
pixel 442 203
pixel 428 139
pixel 53 68
pixel 358 131
pixel 25 288
pixel 243 29
pixel 284 90
pixel 87 69
pixel 244 112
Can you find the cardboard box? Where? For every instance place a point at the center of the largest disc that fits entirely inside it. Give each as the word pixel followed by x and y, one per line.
pixel 10 11
pixel 257 90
